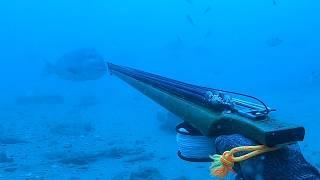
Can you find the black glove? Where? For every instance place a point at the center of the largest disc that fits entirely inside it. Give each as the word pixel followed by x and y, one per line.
pixel 284 164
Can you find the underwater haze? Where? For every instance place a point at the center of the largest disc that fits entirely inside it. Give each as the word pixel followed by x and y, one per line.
pixel 64 117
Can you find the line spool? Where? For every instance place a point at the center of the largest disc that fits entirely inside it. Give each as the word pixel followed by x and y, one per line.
pixel 192 145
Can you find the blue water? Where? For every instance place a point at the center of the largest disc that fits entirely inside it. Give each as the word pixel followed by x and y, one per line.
pixel 269 49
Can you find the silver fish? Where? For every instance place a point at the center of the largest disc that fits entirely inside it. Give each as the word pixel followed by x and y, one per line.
pixel 79 65
pixel 208 9
pixel 275 2
pixel 190 20
pixel 275 41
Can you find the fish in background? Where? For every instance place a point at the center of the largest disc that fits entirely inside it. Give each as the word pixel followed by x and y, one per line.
pixel 314 77
pixel 208 33
pixel 274 42
pixel 189 1
pixel 174 47
pixel 207 10
pixel 275 2
pixel 179 39
pixel 40 100
pixel 79 65
pixel 190 19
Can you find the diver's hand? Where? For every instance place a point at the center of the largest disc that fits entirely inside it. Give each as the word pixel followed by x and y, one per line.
pixel 285 163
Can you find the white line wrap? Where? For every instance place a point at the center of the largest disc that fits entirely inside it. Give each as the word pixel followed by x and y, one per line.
pixel 194 146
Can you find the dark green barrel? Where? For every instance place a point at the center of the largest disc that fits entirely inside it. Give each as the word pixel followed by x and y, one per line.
pixel 268 131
